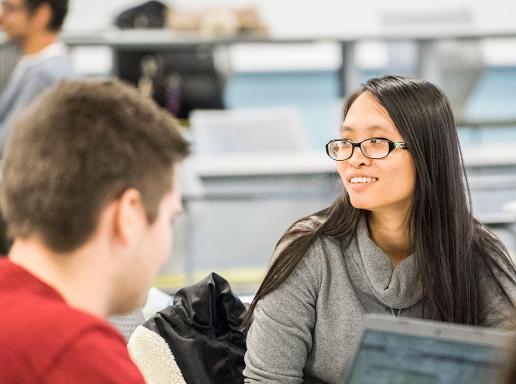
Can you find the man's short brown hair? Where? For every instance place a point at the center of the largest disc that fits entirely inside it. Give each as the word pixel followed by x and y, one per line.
pixel 79 147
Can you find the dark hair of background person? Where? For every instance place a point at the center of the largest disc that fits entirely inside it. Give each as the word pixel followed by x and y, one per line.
pixel 79 147
pixel 59 10
pixel 449 245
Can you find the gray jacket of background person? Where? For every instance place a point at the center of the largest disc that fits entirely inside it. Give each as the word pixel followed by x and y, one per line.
pixel 304 331
pixel 28 80
pixel 10 53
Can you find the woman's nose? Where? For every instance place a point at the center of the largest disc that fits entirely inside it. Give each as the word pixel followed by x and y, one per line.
pixel 358 158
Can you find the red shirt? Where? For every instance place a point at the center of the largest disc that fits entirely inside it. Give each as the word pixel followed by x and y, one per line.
pixel 44 340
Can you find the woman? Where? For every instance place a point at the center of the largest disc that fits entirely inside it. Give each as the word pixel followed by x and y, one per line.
pixel 401 240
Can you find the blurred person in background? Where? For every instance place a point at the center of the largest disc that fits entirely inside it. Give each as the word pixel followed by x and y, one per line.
pixel 401 240
pixel 9 56
pixel 89 194
pixel 33 25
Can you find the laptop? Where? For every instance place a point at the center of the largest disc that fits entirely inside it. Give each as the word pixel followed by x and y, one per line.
pixel 412 351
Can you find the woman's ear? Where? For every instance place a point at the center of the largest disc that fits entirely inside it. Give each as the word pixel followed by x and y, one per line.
pixel 129 216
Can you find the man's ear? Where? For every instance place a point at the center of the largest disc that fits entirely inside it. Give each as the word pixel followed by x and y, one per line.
pixel 42 16
pixel 129 217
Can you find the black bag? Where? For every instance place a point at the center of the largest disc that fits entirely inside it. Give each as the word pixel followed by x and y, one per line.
pixel 205 332
pixel 184 78
pixel 151 14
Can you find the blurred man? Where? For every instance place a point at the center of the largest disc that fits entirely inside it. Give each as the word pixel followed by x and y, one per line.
pixel 34 25
pixel 9 56
pixel 88 194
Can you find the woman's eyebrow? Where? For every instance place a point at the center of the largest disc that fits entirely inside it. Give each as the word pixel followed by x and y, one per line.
pixel 345 129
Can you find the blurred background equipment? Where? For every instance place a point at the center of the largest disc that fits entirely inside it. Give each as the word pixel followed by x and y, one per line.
pixel 180 80
pixel 455 65
pixel 151 14
pixel 248 131
pixel 188 77
pixel 217 21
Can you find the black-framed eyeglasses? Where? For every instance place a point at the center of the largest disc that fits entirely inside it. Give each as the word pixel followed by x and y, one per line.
pixel 373 148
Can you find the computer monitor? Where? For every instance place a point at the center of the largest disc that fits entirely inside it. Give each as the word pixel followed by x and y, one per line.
pixel 410 351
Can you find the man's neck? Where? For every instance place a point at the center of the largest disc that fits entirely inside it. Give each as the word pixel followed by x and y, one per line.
pixel 76 276
pixel 390 233
pixel 35 43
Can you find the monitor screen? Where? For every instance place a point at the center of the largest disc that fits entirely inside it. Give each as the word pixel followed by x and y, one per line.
pixel 391 358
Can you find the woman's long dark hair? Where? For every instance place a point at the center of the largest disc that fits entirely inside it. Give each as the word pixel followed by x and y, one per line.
pixel 450 246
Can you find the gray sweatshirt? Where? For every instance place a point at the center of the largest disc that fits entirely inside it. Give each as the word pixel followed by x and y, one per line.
pixel 304 330
pixel 33 75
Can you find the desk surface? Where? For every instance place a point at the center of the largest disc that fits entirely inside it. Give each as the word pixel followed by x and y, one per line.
pixel 152 38
pixel 156 37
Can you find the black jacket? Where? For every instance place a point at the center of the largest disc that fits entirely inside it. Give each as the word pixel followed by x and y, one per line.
pixel 204 331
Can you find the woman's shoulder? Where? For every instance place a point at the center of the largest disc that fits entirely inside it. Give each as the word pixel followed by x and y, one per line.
pixel 494 259
pixel 497 279
pixel 322 241
pixel 327 254
pixel 321 252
